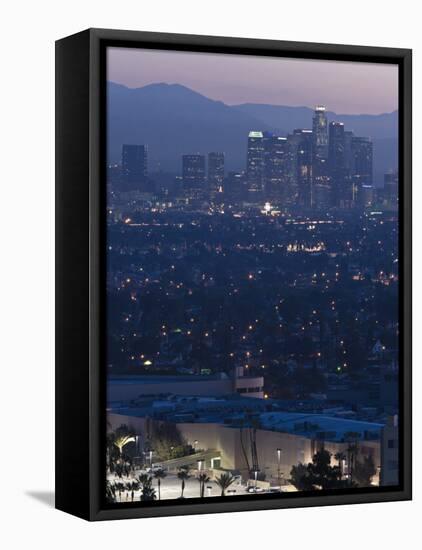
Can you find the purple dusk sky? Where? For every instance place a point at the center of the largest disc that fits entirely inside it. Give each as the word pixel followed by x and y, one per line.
pixel 343 87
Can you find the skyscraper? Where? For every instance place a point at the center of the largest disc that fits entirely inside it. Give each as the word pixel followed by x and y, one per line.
pixel 320 138
pixel 193 174
pixel 255 162
pixel 275 167
pixel 391 189
pixel 135 167
pixel 337 162
pixel 304 166
pixel 362 170
pixel 362 153
pixel 215 172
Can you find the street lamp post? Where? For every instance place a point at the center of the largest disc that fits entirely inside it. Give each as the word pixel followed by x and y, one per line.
pixel 279 451
pixel 149 453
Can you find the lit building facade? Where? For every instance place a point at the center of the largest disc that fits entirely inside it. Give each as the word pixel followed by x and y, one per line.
pixel 255 166
pixel 193 175
pixel 135 167
pixel 215 172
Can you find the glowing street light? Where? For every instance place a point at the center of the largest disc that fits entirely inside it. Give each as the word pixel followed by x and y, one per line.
pixel 279 451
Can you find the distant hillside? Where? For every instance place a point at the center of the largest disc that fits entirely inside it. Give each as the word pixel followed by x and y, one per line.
pixel 286 119
pixel 174 120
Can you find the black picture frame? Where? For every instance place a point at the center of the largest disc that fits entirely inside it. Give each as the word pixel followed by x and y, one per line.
pixel 80 269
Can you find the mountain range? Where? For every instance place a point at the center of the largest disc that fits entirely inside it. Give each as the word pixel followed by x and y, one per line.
pixel 174 120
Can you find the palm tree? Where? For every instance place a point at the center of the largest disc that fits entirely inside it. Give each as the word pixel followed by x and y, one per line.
pixel 123 440
pixel 119 487
pixel 110 492
pixel 340 457
pixel 142 478
pixel 132 486
pixel 159 475
pixel 224 482
pixel 352 451
pixel 148 491
pixel 145 482
pixel 202 478
pixel 183 475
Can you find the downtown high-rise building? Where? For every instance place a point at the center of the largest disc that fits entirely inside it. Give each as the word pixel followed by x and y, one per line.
pixel 391 189
pixel 276 167
pixel 320 140
pixel 320 179
pixel 215 172
pixel 135 167
pixel 193 175
pixel 301 143
pixel 362 155
pixel 362 171
pixel 255 166
pixel 337 162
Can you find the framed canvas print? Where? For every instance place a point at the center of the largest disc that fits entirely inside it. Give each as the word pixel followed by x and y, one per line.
pixel 233 274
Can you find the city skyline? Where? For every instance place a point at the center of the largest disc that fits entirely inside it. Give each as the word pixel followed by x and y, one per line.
pixel 348 87
pixel 252 289
pixel 328 166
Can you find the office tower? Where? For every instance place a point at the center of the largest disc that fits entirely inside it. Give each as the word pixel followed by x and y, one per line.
pixel 321 187
pixel 337 162
pixel 391 189
pixel 234 187
pixel 135 167
pixel 362 154
pixel 215 172
pixel 255 163
pixel 275 167
pixel 320 139
pixel 349 190
pixel 361 170
pixel 365 196
pixel 193 174
pixel 301 152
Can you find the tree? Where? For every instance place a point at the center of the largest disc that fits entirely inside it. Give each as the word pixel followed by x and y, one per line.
pixel 147 491
pixel 132 486
pixel 299 477
pixel 119 487
pixel 340 457
pixel 116 440
pixel 352 452
pixel 110 492
pixel 224 481
pixel 183 475
pixel 159 475
pixel 364 471
pixel 202 478
pixel 318 474
pixel 123 440
pixel 322 474
pixel 168 442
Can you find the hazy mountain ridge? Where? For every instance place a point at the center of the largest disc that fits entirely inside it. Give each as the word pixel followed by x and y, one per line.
pixel 286 118
pixel 174 120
